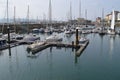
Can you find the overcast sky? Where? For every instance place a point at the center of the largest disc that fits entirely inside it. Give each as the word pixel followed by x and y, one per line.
pixel 60 8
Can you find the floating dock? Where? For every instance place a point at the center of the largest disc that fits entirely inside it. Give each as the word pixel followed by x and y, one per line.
pixel 14 44
pixel 80 47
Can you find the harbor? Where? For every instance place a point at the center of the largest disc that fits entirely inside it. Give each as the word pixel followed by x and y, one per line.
pixel 105 57
pixel 42 40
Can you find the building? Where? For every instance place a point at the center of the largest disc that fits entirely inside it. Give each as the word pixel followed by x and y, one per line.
pixel 108 17
pixel 118 17
pixel 98 20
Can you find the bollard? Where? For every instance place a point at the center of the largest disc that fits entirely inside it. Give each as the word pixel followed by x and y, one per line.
pixel 77 37
pixel 8 28
pixel 8 35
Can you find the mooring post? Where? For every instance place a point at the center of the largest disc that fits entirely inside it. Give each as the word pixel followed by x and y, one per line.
pixel 8 29
pixel 72 45
pixel 77 41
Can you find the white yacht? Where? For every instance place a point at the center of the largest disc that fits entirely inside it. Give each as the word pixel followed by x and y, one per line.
pixel 13 36
pixel 35 44
pixel 68 31
pixel 83 40
pixel 53 38
pixel 30 38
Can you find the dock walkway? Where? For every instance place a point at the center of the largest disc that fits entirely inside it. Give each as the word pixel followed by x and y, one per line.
pixel 80 47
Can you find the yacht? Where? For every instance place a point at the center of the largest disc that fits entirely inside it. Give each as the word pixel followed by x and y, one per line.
pixel 3 43
pixel 13 36
pixel 30 38
pixel 35 30
pixel 68 31
pixel 36 44
pixel 83 40
pixel 53 38
pixel 49 30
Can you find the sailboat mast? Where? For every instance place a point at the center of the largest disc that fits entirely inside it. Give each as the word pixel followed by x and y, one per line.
pixel 70 11
pixel 86 17
pixel 28 19
pixel 7 16
pixel 15 19
pixel 102 18
pixel 70 14
pixel 50 13
pixel 79 8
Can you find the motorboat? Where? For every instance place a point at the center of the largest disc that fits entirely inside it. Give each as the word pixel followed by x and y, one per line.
pixel 68 32
pixel 53 38
pixel 3 43
pixel 83 40
pixel 30 38
pixel 13 36
pixel 36 44
pixel 35 30
pixel 41 30
pixel 49 30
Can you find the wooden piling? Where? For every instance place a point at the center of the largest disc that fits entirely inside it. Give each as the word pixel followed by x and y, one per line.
pixel 8 28
pixel 77 41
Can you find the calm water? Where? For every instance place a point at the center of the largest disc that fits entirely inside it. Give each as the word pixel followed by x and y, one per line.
pixel 99 61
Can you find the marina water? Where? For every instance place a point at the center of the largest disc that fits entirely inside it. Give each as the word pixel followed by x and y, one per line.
pixel 99 61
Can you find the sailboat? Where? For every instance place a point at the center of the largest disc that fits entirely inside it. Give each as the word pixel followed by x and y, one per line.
pixel 102 32
pixel 13 35
pixel 30 37
pixel 112 28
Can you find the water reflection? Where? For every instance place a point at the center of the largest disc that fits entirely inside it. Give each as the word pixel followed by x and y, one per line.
pixel 76 56
pixel 10 65
pixel 1 53
pixel 112 38
pixel 9 50
pixel 101 44
pixel 33 55
pixel 50 49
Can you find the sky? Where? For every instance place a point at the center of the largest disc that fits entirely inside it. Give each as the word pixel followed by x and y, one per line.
pixel 60 8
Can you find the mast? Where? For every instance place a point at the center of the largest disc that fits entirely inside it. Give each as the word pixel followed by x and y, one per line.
pixel 15 19
pixel 79 8
pixel 7 16
pixel 80 11
pixel 86 17
pixel 50 12
pixel 70 11
pixel 102 18
pixel 28 19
